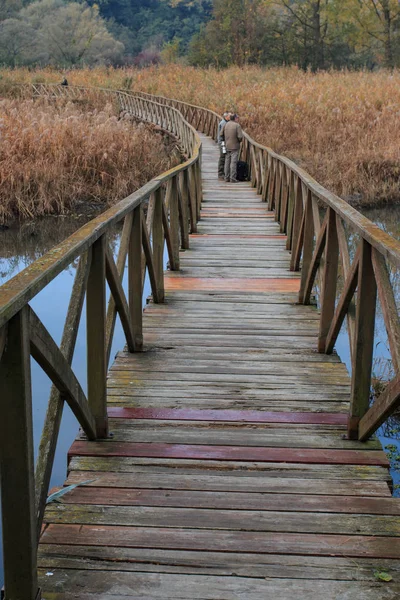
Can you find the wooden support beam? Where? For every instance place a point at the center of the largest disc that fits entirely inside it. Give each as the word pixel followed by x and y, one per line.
pixel 297 221
pixel 121 261
pixel 118 294
pixel 345 260
pixel 319 248
pixel 364 342
pixel 382 408
pixel 16 464
pixel 149 262
pixel 308 241
pixel 96 337
pixel 343 305
pixel 52 423
pixel 48 355
pixel 329 280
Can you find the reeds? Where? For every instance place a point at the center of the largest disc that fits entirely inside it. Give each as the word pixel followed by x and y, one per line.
pixel 54 155
pixel 342 127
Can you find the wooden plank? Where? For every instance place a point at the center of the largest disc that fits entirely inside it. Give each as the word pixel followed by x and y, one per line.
pixel 302 455
pixel 373 546
pixel 213 563
pixel 220 520
pixel 223 481
pixel 198 587
pixel 232 501
pixel 228 468
pixel 231 284
pixel 226 415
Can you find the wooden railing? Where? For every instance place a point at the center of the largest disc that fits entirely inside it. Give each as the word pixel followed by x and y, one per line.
pixel 173 201
pixel 315 221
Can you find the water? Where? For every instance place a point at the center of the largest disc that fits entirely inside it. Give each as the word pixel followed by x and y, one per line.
pixel 20 247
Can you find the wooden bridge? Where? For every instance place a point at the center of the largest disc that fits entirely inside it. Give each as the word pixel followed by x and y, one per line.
pixel 226 456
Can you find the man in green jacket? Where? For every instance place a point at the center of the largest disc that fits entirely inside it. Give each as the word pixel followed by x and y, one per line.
pixel 232 134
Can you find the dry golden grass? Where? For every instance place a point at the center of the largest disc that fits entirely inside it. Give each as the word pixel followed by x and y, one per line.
pixel 342 127
pixel 53 155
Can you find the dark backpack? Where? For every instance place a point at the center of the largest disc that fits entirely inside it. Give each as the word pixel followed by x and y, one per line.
pixel 242 171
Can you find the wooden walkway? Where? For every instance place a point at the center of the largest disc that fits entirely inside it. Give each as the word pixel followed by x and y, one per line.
pixel 227 476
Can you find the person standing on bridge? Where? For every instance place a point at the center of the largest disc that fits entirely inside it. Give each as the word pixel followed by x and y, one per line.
pixel 232 134
pixel 221 144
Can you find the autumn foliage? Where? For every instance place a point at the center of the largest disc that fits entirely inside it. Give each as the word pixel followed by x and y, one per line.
pixel 342 127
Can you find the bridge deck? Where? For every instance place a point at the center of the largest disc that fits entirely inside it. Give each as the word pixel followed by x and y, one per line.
pixel 227 476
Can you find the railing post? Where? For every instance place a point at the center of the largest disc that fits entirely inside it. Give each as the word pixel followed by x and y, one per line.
pixel 96 337
pixel 135 277
pixel 364 340
pixel 290 211
pixel 278 191
pixel 192 200
pixel 183 208
pixel 199 187
pixel 16 464
pixel 158 244
pixel 174 221
pixel 328 291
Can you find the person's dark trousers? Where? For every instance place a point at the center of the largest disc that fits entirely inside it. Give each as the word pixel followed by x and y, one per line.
pixel 231 159
pixel 221 163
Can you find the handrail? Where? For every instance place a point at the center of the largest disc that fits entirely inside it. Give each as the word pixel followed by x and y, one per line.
pixel 174 200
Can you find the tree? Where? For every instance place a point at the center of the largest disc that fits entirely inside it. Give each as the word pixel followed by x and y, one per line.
pixel 379 21
pixel 239 33
pixel 17 42
pixel 70 34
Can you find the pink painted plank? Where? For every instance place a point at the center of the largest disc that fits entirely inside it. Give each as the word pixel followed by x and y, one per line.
pixel 245 416
pixel 234 453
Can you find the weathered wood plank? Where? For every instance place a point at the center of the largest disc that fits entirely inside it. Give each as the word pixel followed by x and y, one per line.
pixel 373 546
pixel 159 450
pixel 223 481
